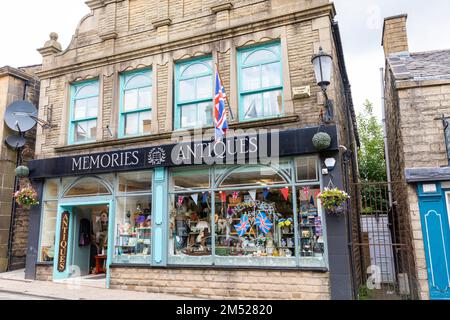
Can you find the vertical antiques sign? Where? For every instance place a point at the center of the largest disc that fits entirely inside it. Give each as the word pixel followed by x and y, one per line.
pixel 63 241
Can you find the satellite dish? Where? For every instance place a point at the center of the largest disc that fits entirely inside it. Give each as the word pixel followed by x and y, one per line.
pixel 21 116
pixel 15 142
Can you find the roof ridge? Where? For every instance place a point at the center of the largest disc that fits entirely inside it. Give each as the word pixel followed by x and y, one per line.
pixel 430 51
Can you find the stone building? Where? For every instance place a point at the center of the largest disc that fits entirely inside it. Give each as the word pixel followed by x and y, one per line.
pixel 15 84
pixel 417 95
pixel 134 84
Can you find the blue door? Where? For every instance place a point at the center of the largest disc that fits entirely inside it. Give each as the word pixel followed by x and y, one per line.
pixel 436 234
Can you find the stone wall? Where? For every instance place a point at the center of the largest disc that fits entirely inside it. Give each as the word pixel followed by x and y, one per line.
pixel 300 26
pixel 44 272
pixel 224 284
pixel 12 85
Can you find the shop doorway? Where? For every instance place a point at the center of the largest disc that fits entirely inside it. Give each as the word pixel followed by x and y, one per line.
pixel 82 243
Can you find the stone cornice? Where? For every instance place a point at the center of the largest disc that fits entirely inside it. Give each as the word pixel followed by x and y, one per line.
pixel 16 73
pixel 411 84
pixel 234 31
pixel 264 123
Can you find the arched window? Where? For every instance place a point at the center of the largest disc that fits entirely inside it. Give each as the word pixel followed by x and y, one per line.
pixel 194 94
pixel 87 187
pixel 136 103
pixel 257 175
pixel 260 82
pixel 83 112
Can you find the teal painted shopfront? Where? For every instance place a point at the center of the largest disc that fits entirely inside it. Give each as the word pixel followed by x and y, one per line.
pixel 434 203
pixel 166 216
pixel 138 208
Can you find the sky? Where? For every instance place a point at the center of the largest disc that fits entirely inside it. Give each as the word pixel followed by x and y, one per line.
pixel 26 24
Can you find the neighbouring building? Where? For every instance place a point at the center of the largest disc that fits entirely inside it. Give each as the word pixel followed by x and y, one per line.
pixel 417 96
pixel 125 193
pixel 15 84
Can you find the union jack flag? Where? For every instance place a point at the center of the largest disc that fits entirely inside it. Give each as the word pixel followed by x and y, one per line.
pixel 263 222
pixel 243 226
pixel 220 113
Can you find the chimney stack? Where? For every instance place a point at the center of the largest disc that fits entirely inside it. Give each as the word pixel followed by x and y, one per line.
pixel 395 36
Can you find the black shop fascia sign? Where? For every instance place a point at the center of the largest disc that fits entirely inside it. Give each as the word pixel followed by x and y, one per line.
pixel 245 149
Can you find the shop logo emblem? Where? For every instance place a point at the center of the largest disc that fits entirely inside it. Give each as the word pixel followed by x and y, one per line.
pixel 156 156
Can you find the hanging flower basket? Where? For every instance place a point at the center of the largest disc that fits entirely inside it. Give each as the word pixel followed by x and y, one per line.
pixel 26 196
pixel 321 141
pixel 333 200
pixel 22 171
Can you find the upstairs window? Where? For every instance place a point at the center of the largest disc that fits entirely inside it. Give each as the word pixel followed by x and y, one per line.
pixel 84 112
pixel 135 103
pixel 194 94
pixel 260 82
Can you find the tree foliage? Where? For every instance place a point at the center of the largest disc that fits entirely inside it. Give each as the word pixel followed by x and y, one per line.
pixel 371 159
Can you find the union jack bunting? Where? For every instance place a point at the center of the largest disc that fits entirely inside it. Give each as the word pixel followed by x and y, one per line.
pixel 243 226
pixel 263 222
pixel 235 195
pixel 220 113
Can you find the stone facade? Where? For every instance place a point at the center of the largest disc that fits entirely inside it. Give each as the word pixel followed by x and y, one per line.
pixel 224 284
pixel 13 239
pixel 415 136
pixel 123 35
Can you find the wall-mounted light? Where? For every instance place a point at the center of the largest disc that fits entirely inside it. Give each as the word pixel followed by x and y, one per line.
pixel 323 65
pixel 330 163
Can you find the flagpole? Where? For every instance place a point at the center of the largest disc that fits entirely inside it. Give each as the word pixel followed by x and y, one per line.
pixel 226 96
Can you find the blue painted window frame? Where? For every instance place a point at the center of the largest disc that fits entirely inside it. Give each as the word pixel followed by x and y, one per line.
pixel 123 76
pixel 74 88
pixel 179 77
pixel 242 65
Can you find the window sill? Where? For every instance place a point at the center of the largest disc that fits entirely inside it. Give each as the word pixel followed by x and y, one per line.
pixel 253 124
pixel 215 267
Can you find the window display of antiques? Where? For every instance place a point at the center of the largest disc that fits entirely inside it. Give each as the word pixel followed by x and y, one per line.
pixel 310 224
pixel 191 226
pixel 134 235
pixel 255 223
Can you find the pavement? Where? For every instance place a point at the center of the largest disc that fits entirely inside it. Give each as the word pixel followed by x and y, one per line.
pixel 14 286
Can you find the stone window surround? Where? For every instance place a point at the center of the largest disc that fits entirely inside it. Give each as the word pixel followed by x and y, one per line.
pixel 170 59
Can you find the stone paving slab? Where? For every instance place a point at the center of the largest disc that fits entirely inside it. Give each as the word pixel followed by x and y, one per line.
pixel 72 291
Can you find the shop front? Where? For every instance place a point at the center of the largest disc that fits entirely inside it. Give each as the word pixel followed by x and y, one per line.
pixel 144 220
pixel 433 190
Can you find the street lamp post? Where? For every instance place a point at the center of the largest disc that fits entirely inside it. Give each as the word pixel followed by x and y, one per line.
pixel 323 64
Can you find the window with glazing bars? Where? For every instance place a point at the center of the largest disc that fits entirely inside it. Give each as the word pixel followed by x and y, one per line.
pixel 260 82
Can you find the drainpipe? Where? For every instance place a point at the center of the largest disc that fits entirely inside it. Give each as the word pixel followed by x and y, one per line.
pixel 386 149
pixel 12 223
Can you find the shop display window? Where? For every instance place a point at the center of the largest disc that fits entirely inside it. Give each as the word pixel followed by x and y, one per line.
pixel 255 227
pixel 48 221
pixel 310 223
pixel 190 228
pixel 135 181
pixel 251 216
pixel 133 229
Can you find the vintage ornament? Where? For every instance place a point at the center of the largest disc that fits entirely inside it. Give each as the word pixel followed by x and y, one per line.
pixel 321 140
pixel 22 171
